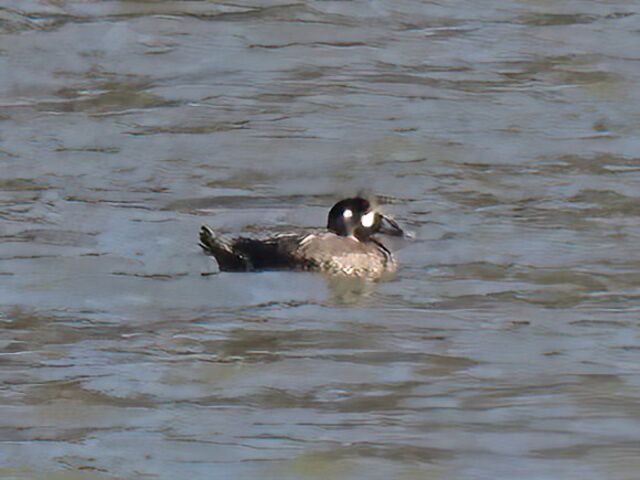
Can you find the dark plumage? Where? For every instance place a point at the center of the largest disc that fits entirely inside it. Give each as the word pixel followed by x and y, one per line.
pixel 349 246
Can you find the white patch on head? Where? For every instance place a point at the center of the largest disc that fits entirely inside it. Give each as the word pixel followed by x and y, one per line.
pixel 367 219
pixel 347 213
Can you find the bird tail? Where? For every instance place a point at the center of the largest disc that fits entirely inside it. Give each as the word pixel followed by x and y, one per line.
pixel 222 248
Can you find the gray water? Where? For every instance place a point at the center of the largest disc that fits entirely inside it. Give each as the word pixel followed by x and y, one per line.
pixel 503 133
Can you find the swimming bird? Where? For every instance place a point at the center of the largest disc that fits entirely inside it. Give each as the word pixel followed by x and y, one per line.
pixel 350 245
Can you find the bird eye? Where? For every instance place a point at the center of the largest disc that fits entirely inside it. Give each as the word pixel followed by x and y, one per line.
pixel 367 219
pixel 347 213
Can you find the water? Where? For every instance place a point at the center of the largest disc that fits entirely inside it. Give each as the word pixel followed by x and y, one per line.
pixel 504 133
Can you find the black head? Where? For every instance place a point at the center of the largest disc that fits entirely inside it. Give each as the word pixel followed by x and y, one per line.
pixel 357 217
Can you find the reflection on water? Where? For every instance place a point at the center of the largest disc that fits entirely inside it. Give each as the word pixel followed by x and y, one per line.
pixel 503 133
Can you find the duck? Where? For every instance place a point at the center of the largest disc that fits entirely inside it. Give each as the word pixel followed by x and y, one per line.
pixel 349 246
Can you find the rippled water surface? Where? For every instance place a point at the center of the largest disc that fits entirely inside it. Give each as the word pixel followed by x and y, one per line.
pixel 504 133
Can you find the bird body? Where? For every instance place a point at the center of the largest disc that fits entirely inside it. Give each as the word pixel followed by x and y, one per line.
pixel 347 247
